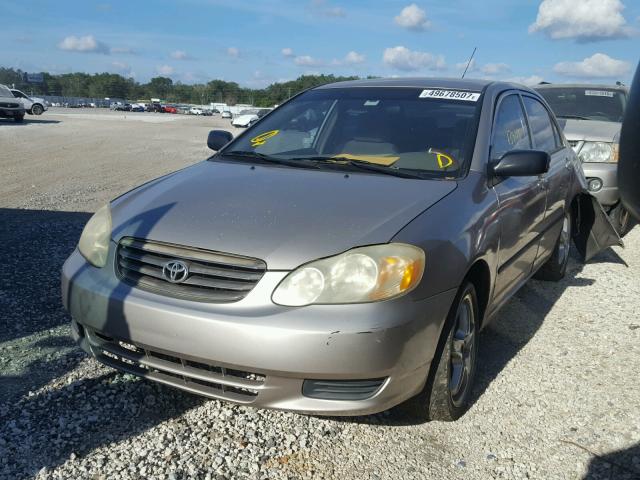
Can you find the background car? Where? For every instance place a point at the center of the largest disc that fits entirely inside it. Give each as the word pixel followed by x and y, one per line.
pixel 591 118
pixel 10 106
pixel 169 109
pixel 136 107
pixel 32 105
pixel 195 111
pixel 226 114
pixel 245 118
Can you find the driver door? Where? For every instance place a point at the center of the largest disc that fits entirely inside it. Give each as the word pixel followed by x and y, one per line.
pixel 522 200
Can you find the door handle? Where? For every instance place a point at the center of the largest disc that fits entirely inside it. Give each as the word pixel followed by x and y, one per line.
pixel 567 163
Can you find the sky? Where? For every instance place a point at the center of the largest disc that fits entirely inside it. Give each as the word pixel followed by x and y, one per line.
pixel 259 42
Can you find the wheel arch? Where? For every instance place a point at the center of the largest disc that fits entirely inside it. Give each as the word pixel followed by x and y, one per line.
pixel 479 274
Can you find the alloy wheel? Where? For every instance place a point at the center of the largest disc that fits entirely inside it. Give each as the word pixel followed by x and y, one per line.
pixel 462 351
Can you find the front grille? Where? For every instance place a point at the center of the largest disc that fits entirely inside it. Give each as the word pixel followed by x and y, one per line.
pixel 197 376
pixel 8 105
pixel 212 276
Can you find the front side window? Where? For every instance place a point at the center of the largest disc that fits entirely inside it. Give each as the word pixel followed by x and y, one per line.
pixel 510 128
pixel 388 127
pixel 540 125
pixel 586 103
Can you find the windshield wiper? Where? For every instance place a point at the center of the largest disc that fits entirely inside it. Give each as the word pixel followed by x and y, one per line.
pixel 576 117
pixel 363 165
pixel 269 159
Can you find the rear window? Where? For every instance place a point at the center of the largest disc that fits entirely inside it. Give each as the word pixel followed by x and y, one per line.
pixel 586 103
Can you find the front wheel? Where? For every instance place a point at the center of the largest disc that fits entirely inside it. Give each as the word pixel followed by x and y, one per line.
pixel 447 393
pixel 37 109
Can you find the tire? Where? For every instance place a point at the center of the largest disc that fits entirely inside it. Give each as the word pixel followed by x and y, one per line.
pixel 621 219
pixel 555 267
pixel 19 119
pixel 447 393
pixel 36 109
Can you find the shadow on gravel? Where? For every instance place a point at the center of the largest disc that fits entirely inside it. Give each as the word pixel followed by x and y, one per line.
pixel 35 244
pixel 619 465
pixel 26 121
pixel 44 430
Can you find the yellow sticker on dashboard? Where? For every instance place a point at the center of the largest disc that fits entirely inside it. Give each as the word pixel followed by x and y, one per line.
pixel 444 161
pixel 263 137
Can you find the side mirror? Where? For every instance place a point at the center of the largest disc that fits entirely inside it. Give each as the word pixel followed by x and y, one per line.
pixel 218 139
pixel 521 163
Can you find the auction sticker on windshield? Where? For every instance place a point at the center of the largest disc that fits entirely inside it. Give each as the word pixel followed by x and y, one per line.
pixel 598 93
pixel 451 95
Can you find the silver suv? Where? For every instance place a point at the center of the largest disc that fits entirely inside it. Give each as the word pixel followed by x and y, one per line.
pixel 33 105
pixel 10 107
pixel 591 117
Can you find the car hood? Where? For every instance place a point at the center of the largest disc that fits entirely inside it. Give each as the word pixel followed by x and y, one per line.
pixel 284 216
pixel 591 130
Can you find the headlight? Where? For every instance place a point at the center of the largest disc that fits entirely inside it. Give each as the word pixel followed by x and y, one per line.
pixel 598 152
pixel 94 241
pixel 365 274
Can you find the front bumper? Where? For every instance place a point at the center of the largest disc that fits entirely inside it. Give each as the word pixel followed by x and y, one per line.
pixel 608 195
pixel 174 341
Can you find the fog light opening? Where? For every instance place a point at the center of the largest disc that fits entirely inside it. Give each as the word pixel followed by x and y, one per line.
pixel 595 184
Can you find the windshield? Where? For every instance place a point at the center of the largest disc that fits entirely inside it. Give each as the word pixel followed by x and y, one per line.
pixel 393 128
pixel 586 103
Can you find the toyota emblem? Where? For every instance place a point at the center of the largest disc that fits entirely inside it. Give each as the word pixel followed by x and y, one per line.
pixel 175 271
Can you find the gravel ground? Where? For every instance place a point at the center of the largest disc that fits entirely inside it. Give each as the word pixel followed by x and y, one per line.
pixel 557 394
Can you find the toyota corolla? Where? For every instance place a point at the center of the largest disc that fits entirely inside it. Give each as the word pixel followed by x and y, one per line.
pixel 340 256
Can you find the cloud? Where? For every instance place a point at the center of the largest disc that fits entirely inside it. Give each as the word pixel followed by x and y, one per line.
pixel 414 18
pixel 86 44
pixel 402 58
pixel 123 50
pixel 307 61
pixel 462 65
pixel 165 70
pixel 233 52
pixel 583 20
pixel 354 58
pixel 287 52
pixel 180 55
pixel 495 68
pixel 530 80
pixel 123 68
pixel 323 8
pixel 598 65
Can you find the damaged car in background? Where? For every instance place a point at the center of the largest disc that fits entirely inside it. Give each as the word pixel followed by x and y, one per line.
pixel 591 117
pixel 341 256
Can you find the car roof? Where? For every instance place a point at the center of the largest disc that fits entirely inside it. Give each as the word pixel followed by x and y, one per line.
pixel 579 85
pixel 422 82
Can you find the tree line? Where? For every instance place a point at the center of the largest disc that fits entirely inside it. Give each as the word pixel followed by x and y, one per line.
pixel 111 85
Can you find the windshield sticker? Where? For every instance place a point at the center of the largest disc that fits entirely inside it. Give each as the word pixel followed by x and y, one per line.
pixel 263 137
pixel 371 103
pixel 444 160
pixel 451 95
pixel 598 93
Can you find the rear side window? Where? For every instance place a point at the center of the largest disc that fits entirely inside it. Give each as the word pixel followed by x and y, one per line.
pixel 510 128
pixel 544 137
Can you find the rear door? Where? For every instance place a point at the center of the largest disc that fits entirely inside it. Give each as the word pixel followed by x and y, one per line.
pixel 521 200
pixel 557 180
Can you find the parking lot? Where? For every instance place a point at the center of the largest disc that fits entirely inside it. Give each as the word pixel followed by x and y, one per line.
pixel 556 396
